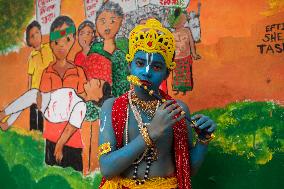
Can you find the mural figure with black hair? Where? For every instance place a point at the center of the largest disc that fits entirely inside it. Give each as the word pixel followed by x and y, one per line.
pixel 63 141
pixel 38 60
pixel 86 36
pixel 185 51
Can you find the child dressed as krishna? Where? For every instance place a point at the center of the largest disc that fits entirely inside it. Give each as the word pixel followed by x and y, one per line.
pixel 145 143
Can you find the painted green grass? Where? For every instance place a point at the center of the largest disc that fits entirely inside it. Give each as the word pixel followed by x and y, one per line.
pixel 248 152
pixel 26 153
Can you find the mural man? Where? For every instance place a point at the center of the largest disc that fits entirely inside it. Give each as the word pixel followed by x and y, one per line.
pixel 185 51
pixel 143 143
pixel 39 59
pixel 63 141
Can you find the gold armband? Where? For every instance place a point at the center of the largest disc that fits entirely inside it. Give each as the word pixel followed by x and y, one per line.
pixel 104 149
pixel 146 137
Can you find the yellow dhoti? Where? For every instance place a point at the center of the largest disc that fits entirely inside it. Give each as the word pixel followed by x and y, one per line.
pixel 154 183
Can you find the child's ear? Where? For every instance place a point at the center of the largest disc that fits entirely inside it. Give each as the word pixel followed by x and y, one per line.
pixel 168 74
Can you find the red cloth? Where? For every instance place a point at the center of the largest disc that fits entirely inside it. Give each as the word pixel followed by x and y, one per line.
pixel 182 74
pixel 53 132
pixel 164 86
pixel 95 66
pixel 181 148
pixel 80 59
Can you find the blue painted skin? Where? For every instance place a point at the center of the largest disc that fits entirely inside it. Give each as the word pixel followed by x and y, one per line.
pixel 150 67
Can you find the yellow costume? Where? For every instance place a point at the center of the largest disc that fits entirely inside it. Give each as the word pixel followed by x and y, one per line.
pixel 153 183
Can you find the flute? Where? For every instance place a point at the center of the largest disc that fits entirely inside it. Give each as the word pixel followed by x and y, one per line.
pixel 136 81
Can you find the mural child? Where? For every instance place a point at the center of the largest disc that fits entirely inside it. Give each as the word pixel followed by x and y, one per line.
pixel 86 36
pixel 185 51
pixel 39 59
pixel 61 105
pixel 137 148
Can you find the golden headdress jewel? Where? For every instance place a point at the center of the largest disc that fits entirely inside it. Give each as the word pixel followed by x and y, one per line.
pixel 152 37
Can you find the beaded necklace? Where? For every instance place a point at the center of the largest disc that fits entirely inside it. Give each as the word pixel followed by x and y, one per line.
pixel 150 153
pixel 148 107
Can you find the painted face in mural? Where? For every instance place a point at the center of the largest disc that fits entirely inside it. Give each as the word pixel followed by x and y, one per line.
pixel 35 37
pixel 86 36
pixel 181 21
pixel 108 24
pixel 61 47
pixel 150 68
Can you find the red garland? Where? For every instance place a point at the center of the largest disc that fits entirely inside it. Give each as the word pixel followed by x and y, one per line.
pixel 119 114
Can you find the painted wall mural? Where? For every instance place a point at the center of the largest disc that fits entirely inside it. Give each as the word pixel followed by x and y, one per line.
pixel 61 59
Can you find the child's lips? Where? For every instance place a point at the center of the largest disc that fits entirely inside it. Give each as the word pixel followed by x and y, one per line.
pixel 145 82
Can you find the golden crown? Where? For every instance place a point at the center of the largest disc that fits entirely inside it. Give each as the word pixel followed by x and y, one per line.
pixel 152 37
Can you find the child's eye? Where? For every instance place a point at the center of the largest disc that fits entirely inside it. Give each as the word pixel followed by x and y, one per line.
pixel 56 42
pixel 156 68
pixel 139 63
pixel 68 39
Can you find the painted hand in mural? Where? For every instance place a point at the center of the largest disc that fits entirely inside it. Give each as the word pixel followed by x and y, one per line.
pixel 3 125
pixel 164 118
pixel 39 100
pixel 58 152
pixel 204 122
pixel 196 56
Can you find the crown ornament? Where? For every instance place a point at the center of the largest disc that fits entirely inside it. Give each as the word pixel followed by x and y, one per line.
pixel 152 37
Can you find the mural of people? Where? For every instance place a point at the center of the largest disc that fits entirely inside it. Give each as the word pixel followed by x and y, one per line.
pixel 39 59
pixel 185 51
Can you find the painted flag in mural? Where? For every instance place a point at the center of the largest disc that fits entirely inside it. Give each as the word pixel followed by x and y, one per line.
pixel 46 12
pixel 91 7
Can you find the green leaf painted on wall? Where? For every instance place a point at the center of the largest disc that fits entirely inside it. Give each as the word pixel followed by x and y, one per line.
pixel 15 16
